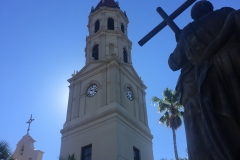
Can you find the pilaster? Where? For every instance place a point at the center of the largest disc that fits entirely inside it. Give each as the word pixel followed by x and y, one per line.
pixel 104 87
pixel 70 99
pixel 102 53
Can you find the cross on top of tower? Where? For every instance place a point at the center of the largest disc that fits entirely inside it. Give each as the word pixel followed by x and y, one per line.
pixel 29 122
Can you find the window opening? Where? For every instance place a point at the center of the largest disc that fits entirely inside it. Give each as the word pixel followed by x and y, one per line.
pixel 110 24
pixel 95 52
pixel 136 154
pixel 87 152
pixel 22 149
pixel 122 28
pixel 125 56
pixel 97 26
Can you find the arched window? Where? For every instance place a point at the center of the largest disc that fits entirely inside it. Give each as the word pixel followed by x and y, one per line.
pixel 95 52
pixel 125 56
pixel 22 150
pixel 97 26
pixel 110 24
pixel 122 28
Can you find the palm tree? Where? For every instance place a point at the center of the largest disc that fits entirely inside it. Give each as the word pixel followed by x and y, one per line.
pixel 5 151
pixel 173 113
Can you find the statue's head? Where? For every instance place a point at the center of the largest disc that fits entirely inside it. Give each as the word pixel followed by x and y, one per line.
pixel 200 9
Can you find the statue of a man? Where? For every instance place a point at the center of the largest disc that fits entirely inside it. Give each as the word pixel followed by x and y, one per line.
pixel 208 49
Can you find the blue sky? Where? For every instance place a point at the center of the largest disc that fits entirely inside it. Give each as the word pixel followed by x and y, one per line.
pixel 42 42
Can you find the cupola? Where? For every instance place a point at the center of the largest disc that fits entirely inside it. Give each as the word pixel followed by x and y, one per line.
pixel 108 33
pixel 107 3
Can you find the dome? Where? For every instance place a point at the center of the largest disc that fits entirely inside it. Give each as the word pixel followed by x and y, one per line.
pixel 107 3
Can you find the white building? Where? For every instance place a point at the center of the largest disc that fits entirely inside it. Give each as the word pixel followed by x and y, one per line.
pixel 25 150
pixel 106 115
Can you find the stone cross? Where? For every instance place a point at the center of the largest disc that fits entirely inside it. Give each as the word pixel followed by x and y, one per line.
pixel 168 20
pixel 29 122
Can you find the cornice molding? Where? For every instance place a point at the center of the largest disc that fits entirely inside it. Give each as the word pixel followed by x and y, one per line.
pixel 135 76
pixel 106 32
pixel 105 9
pixel 110 112
pixel 109 63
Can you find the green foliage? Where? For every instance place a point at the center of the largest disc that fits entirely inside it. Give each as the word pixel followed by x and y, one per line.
pixel 170 105
pixel 69 157
pixel 173 112
pixel 5 151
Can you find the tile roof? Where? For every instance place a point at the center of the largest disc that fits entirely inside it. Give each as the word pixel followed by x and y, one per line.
pixel 107 3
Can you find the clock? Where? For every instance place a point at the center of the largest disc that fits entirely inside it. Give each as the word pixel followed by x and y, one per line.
pixel 92 90
pixel 129 94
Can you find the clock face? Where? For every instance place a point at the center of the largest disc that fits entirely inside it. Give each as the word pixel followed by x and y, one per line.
pixel 92 90
pixel 129 94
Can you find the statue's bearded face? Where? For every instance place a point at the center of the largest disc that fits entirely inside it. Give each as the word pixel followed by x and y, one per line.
pixel 200 9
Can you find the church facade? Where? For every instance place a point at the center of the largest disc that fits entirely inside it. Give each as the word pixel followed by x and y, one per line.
pixel 106 114
pixel 25 149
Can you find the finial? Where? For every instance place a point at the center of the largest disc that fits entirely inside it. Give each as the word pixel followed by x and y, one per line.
pixel 117 3
pixel 74 73
pixel 29 122
pixel 92 9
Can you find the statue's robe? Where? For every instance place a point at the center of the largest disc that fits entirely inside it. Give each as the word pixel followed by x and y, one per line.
pixel 212 104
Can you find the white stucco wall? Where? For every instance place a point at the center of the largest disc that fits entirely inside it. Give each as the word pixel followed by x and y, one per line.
pixel 25 150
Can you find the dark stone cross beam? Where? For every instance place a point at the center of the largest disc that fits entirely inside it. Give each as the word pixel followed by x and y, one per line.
pixel 168 20
pixel 29 123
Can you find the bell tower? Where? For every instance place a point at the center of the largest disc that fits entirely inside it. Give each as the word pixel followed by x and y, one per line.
pixel 106 114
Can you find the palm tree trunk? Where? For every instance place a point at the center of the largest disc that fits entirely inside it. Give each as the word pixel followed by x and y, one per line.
pixel 175 143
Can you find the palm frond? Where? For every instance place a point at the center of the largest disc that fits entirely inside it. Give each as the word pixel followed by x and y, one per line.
pixel 167 94
pixel 170 105
pixel 155 99
pixel 175 97
pixel 168 122
pixel 164 118
pixel 181 113
pixel 178 106
pixel 11 158
pixel 162 106
pixel 5 151
pixel 176 122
